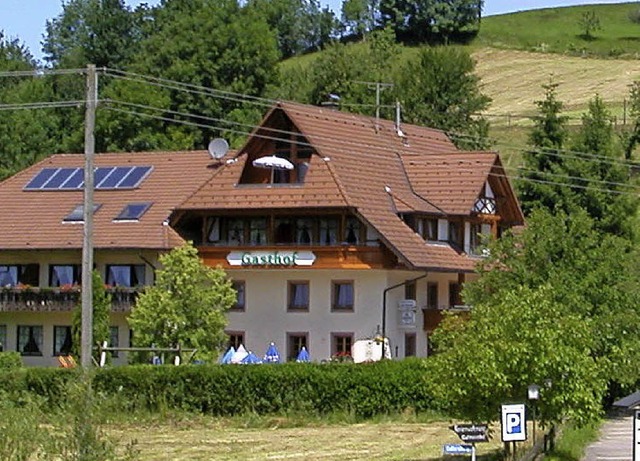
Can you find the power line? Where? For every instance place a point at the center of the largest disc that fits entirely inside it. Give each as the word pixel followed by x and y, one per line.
pixel 449 168
pixel 244 98
pixel 253 100
pixel 239 97
pixel 188 87
pixel 41 72
pixel 42 105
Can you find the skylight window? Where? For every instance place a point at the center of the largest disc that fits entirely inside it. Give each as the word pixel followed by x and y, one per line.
pixel 133 211
pixel 77 215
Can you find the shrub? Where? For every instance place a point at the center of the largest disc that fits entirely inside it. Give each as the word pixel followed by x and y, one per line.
pixel 363 390
pixel 634 16
pixel 10 360
pixel 360 390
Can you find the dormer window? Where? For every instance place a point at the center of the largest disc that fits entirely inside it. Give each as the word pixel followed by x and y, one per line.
pixel 286 160
pixel 455 233
pixel 328 231
pixel 258 231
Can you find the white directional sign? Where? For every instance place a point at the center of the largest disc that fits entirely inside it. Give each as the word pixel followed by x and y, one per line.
pixel 514 423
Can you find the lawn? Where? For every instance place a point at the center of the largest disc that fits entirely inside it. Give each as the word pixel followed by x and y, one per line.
pixel 209 439
pixel 558 30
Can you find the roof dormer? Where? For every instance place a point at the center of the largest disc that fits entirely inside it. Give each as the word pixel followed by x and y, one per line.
pixel 278 154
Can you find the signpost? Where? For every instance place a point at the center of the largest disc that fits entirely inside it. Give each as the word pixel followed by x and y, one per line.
pixel 458 449
pixel 514 424
pixel 470 433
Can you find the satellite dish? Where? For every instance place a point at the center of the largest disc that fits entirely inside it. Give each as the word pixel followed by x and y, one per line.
pixel 218 148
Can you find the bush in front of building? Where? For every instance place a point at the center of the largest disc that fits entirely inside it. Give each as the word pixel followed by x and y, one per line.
pixel 50 384
pixel 10 360
pixel 364 390
pixel 361 390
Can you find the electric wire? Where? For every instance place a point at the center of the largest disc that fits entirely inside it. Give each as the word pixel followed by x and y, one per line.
pixel 41 72
pixel 239 97
pixel 252 99
pixel 41 105
pixel 508 177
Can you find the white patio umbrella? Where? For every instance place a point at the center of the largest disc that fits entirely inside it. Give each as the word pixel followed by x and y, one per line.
pixel 274 163
pixel 239 354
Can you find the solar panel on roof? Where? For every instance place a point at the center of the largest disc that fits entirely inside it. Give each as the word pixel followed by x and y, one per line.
pixel 75 181
pixel 59 178
pixel 40 178
pixel 135 177
pixel 112 177
pixel 100 174
pixel 112 181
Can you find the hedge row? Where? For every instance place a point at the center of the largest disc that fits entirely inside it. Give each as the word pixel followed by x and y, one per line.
pixel 226 390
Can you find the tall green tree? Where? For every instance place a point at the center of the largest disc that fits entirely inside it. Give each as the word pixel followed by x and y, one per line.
pixel 358 16
pixel 440 90
pixel 543 164
pixel 598 169
pixel 207 44
pixel 523 337
pixel 186 306
pixel 591 274
pixel 438 20
pixel 100 32
pixel 26 135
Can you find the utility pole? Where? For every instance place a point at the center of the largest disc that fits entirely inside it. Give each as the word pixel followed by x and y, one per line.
pixel 87 243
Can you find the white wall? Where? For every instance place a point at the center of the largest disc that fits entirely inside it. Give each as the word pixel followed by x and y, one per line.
pixel 266 319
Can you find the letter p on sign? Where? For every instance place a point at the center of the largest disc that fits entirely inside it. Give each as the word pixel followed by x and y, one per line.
pixel 514 423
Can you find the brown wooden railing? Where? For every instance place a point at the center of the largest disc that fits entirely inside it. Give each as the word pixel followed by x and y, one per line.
pixel 37 299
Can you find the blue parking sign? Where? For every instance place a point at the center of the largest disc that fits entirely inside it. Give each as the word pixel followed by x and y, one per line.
pixel 514 423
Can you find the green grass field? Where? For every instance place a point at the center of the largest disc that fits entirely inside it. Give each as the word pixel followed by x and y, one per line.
pixel 558 30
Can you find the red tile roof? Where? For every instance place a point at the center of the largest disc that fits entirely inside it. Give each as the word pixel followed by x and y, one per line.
pixel 34 219
pixel 366 165
pixel 358 163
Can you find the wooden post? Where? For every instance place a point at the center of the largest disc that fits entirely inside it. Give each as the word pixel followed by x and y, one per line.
pixel 86 341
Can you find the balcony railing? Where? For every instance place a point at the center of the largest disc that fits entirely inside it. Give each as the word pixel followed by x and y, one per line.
pixel 40 299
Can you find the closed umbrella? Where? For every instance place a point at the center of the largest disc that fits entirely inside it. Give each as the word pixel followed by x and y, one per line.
pixel 239 354
pixel 226 358
pixel 303 355
pixel 272 355
pixel 251 358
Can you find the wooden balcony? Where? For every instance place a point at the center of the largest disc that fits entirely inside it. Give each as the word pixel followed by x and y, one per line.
pixel 432 317
pixel 326 257
pixel 36 299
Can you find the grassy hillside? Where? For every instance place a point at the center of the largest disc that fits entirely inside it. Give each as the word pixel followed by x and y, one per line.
pixel 558 30
pixel 517 53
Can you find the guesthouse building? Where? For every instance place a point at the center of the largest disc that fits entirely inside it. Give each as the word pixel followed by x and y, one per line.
pixel 334 227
